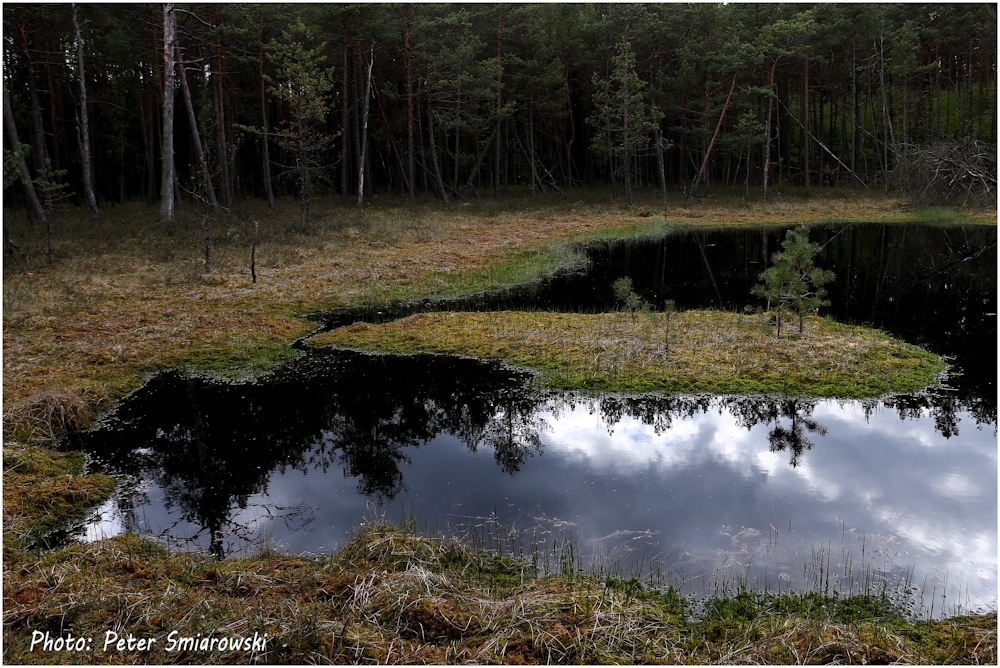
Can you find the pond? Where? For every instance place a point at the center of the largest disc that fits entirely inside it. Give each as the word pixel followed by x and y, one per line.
pixel 698 491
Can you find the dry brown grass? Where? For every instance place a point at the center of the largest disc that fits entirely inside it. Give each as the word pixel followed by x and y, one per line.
pixel 390 596
pixel 129 296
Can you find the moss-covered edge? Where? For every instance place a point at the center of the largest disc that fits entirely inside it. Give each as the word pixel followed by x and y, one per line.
pixel 714 352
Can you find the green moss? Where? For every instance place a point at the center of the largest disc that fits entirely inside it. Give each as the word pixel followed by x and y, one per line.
pixel 46 490
pixel 701 351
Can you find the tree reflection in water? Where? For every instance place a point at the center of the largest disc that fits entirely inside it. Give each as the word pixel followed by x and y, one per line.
pixel 750 411
pixel 213 446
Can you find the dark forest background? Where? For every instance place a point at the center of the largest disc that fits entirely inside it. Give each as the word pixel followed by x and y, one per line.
pixel 465 101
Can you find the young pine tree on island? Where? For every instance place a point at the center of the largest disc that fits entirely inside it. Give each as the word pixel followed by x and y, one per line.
pixel 793 282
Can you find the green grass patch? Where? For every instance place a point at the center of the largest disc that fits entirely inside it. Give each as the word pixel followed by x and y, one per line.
pixel 44 490
pixel 696 351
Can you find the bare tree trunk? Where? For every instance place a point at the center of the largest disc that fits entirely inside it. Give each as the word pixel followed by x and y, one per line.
pixel 305 182
pixel 890 138
pixel 344 124
pixel 148 142
pixel 626 134
pixel 411 160
pixel 708 151
pixel 499 105
pixel 225 180
pixel 199 152
pixel 364 131
pixel 88 179
pixel 531 148
pixel 660 169
pixel 439 181
pixel 167 202
pixel 766 167
pixel 206 229
pixel 572 129
pixel 34 205
pixel 805 126
pixel 456 162
pixel 479 160
pixel 265 143
pixel 356 106
pixel 854 111
pixel 38 147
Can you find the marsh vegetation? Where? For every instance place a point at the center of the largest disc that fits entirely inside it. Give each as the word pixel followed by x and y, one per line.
pixel 86 329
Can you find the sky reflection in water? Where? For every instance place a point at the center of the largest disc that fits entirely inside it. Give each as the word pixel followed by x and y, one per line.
pixel 705 496
pixel 774 490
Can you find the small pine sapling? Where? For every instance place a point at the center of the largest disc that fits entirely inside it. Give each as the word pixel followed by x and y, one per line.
pixel 626 296
pixel 793 282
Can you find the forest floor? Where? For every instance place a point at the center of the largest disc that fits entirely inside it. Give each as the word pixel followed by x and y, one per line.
pixel 86 322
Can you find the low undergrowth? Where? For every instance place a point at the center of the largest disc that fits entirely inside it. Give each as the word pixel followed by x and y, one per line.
pixel 696 351
pixel 391 596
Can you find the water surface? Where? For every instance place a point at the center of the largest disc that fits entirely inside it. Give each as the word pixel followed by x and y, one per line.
pixel 780 491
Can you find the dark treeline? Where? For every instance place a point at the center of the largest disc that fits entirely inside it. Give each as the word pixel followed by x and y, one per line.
pixel 461 101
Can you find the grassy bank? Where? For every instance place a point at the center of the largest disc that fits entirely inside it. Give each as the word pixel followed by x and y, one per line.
pixel 130 296
pixel 117 301
pixel 692 351
pixel 391 596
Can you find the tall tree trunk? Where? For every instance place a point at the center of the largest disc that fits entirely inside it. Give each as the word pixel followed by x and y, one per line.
pixel 766 166
pixel 708 151
pixel 661 171
pixel 356 106
pixel 38 146
pixel 456 162
pixel 56 115
pixel 805 117
pixel 225 179
pixel 344 122
pixel 199 152
pixel 88 177
pixel 438 180
pixel 168 176
pixel 423 153
pixel 499 105
pixel 34 204
pixel 626 133
pixel 265 142
pixel 854 110
pixel 572 128
pixel 364 131
pixel 148 141
pixel 411 158
pixel 305 179
pixel 531 146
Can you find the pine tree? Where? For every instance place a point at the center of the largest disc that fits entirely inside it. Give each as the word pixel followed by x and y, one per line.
pixel 621 114
pixel 793 281
pixel 303 82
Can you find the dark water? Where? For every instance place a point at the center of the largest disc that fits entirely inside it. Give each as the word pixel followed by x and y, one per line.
pixel 781 491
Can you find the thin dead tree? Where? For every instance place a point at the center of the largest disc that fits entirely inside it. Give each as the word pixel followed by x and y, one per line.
pixel 34 204
pixel 199 152
pixel 167 155
pixel 708 151
pixel 364 131
pixel 84 136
